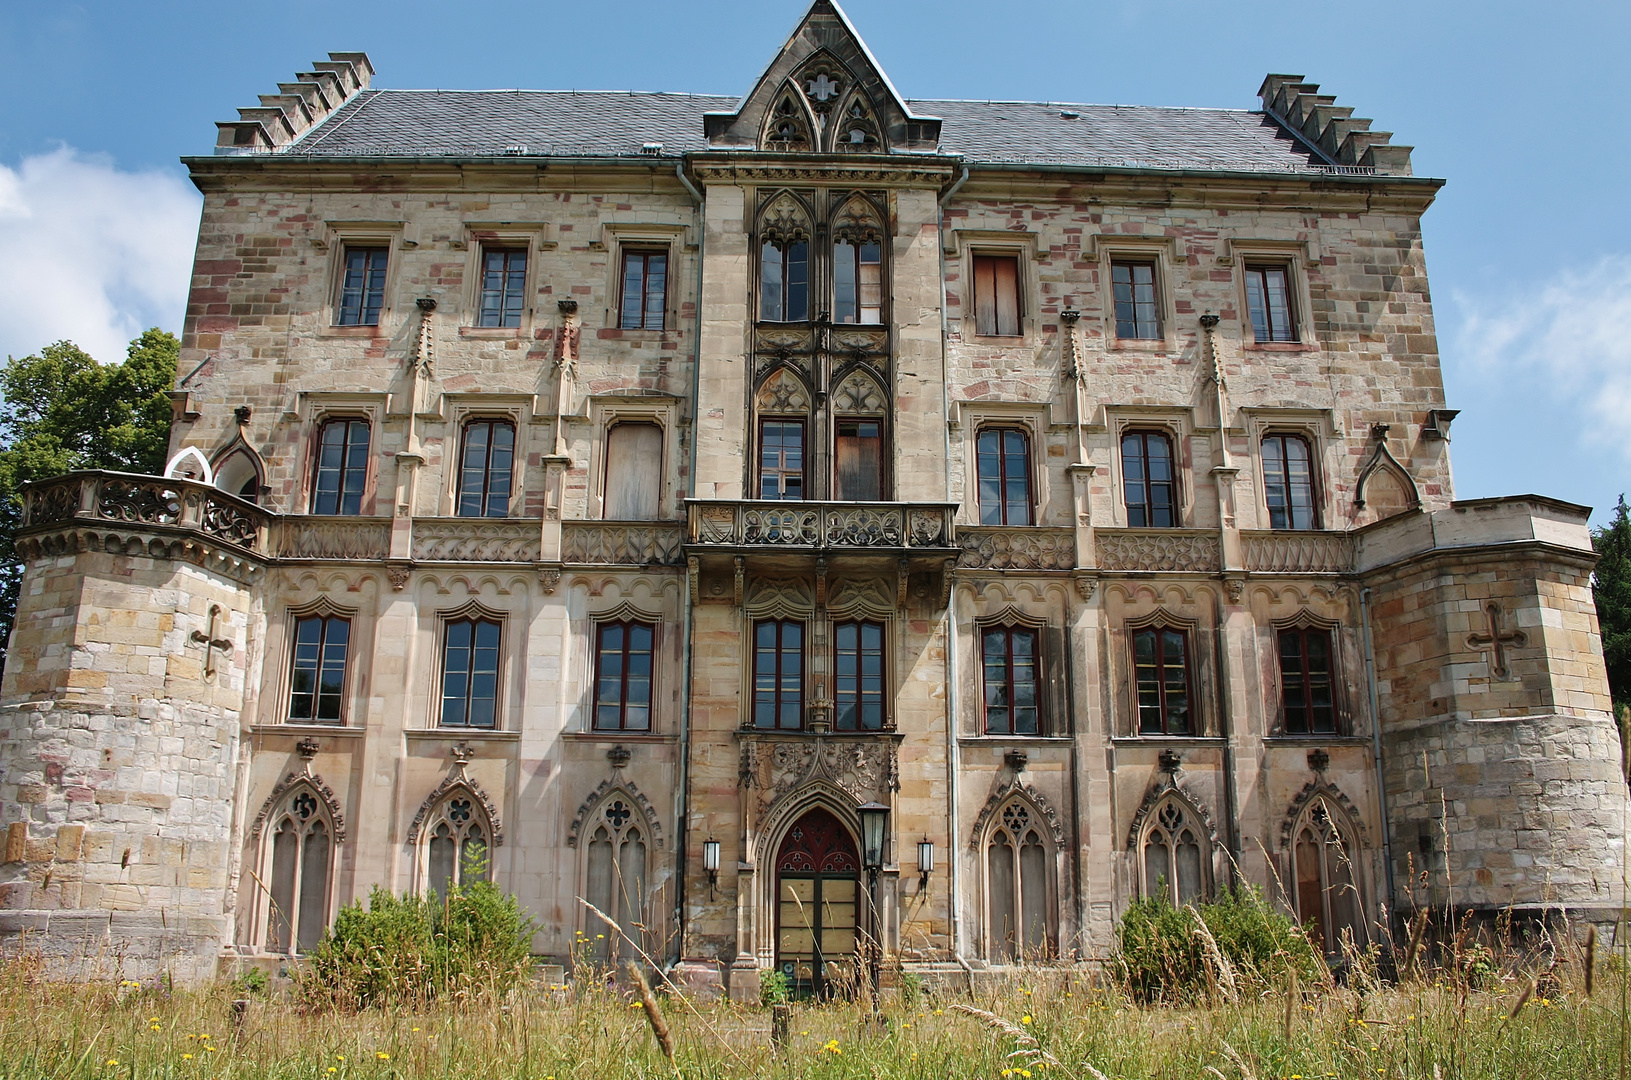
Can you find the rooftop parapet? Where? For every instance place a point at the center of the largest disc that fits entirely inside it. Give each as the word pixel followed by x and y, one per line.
pixel 283 117
pixel 1331 129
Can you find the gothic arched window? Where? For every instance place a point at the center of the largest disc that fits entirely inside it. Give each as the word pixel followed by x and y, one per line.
pixel 617 879
pixel 1323 852
pixel 1019 916
pixel 1173 851
pixel 456 843
pixel 301 858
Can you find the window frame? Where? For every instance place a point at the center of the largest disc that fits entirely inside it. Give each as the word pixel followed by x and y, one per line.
pixel 516 453
pixel 856 246
pixel 1002 430
pixel 475 617
pixel 1191 714
pixel 1303 626
pixel 995 944
pixel 1316 503
pixel 1144 432
pixel 440 815
pixel 343 270
pixel 1009 627
pixel 861 621
pixel 479 307
pixel 781 622
pixel 282 807
pixel 316 471
pixel 1339 822
pixel 839 423
pixel 626 622
pixel 1121 261
pixel 326 615
pixel 804 425
pixel 784 244
pixel 995 330
pixel 644 250
pixel 1197 824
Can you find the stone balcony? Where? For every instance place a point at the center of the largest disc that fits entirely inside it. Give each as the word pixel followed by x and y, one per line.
pixel 756 526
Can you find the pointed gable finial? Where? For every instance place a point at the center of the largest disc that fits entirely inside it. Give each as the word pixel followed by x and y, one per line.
pixel 824 92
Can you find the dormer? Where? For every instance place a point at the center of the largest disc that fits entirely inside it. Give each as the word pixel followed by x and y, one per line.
pixel 824 93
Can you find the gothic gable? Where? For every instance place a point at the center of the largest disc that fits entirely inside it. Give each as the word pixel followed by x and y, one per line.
pixel 824 92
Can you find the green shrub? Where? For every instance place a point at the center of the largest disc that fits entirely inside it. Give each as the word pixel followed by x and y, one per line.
pixel 408 950
pixel 773 987
pixel 252 981
pixel 1161 956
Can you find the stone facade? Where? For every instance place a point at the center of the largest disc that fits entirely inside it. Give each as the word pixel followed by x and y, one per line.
pixel 157 770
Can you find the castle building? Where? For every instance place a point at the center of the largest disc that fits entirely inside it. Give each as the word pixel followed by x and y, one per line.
pixel 724 512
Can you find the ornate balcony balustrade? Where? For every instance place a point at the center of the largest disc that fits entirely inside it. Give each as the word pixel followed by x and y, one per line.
pixel 988 547
pixel 1298 552
pixel 125 500
pixel 621 543
pixel 364 539
pixel 793 526
pixel 454 539
pixel 1192 551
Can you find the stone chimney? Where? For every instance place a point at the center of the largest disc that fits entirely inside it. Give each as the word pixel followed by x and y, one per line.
pixel 1345 141
pixel 283 117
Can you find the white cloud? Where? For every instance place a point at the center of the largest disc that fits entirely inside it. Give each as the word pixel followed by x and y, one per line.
pixel 1569 339
pixel 91 253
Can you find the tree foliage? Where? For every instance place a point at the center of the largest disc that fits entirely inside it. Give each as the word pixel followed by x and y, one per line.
pixel 1611 588
pixel 63 411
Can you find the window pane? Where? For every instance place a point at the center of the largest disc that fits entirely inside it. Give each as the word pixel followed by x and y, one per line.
pixel 1157 869
pixel 1004 917
pixel 985 295
pixel 871 283
pixel 342 467
pixel 1033 893
pixel 1133 286
pixel 771 307
pixel 362 286
pixel 285 853
pixel 634 290
pixel 1007 296
pixel 1189 868
pixel 843 281
pixel 314 887
pixel 656 290
pixel 781 459
pixel 798 282
pixel 503 287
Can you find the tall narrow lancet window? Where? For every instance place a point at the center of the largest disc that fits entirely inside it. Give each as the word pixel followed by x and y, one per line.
pixel 634 472
pixel 1327 897
pixel 342 467
pixel 456 845
pixel 1288 482
pixel 1018 910
pixel 857 271
pixel 1174 852
pixel 302 849
pixel 616 881
pixel 784 281
pixel 486 468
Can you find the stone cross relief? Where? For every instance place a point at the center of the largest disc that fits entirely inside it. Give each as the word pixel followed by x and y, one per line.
pixel 1495 641
pixel 212 643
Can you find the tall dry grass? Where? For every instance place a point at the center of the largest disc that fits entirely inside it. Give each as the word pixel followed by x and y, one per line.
pixel 1035 1024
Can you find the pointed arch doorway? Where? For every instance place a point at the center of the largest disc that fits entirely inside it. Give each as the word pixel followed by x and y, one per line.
pixel 818 889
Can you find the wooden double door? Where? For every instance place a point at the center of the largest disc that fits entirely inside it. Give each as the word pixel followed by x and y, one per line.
pixel 819 909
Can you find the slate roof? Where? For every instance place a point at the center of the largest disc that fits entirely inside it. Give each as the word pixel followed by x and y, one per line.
pixel 481 123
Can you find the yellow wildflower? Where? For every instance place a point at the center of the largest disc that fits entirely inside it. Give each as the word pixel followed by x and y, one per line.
pixel 186 1057
pixel 416 1029
pixel 382 1055
pixel 113 1061
pixel 1026 1019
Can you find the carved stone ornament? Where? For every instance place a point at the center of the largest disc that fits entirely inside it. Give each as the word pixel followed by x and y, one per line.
pixel 1167 786
pixel 598 797
pixel 783 393
pixel 308 748
pixel 993 548
pixel 1319 761
pixel 1170 762
pixel 1016 760
pixel 1086 587
pixel 398 573
pixel 548 580
pixel 1323 790
pixel 619 756
pixel 288 784
pixel 859 395
pixel 620 544
pixel 1235 587
pixel 446 788
pixel 475 540
pixel 1015 790
pixel 1158 549
pixel 866 767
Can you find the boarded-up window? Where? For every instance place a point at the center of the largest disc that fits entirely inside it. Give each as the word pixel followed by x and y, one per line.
pixel 996 295
pixel 616 880
pixel 858 453
pixel 1020 916
pixel 634 472
pixel 301 857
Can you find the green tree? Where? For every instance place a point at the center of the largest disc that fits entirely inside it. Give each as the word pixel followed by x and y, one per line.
pixel 1611 588
pixel 61 410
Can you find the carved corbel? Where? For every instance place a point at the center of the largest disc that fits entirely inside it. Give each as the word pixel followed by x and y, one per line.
pixel 741 578
pixel 398 573
pixel 947 581
pixel 549 578
pixel 1086 586
pixel 903 578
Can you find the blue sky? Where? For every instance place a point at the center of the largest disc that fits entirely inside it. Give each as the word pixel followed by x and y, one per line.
pixel 1523 108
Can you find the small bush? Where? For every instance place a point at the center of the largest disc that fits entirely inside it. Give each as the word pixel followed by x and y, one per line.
pixel 408 950
pixel 252 981
pixel 773 987
pixel 1161 956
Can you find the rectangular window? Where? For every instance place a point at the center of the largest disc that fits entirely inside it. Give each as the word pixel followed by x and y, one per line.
pixel 784 281
pixel 781 459
pixel 1305 681
pixel 503 286
pixel 996 295
pixel 487 462
pixel 778 675
pixel 342 467
pixel 858 460
pixel 857 273
pixel 1147 481
pixel 470 673
pixel 1003 466
pixel 634 472
pixel 645 290
pixel 362 286
pixel 318 681
pixel 1268 298
pixel 1161 666
pixel 1008 659
pixel 1137 315
pixel 858 676
pixel 1288 482
pixel 623 676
